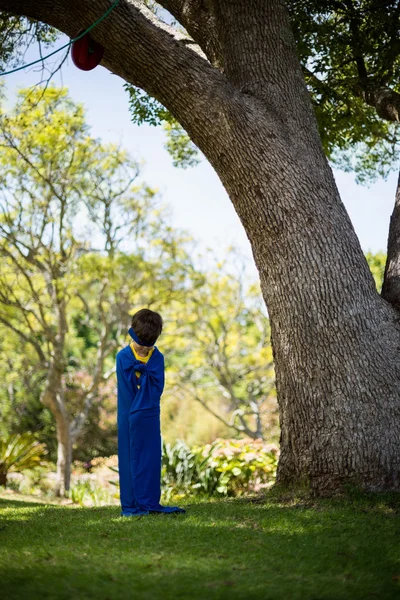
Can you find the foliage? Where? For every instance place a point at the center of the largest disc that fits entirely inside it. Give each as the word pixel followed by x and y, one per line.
pixel 376 263
pixel 86 493
pixel 347 48
pixel 22 380
pixel 234 467
pixel 99 436
pixel 145 109
pixel 184 153
pixel 17 34
pixel 180 466
pixel 19 451
pixel 220 352
pixel 223 468
pixel 190 347
pixel 35 480
pixel 75 225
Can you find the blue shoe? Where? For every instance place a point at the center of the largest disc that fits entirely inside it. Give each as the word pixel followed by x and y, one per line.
pixel 134 514
pixel 167 510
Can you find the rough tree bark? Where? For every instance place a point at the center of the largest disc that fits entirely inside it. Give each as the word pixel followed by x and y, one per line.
pixel 391 279
pixel 335 340
pixel 52 398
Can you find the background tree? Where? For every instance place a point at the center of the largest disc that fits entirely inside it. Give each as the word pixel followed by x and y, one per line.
pixel 66 290
pixel 182 416
pixel 237 87
pixel 220 354
pixel 17 34
pixel 20 406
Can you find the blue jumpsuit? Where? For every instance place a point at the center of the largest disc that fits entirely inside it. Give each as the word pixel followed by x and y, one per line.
pixel 139 433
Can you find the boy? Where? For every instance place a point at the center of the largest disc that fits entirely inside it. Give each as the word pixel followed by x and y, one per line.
pixel 140 383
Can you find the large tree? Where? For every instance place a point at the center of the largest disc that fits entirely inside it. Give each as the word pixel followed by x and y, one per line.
pixel 236 85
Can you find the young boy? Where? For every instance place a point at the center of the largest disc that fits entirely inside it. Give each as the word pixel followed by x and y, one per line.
pixel 140 383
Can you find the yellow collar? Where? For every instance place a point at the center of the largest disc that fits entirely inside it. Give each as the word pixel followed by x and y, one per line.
pixel 141 358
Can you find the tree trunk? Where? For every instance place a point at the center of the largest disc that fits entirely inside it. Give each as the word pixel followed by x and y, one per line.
pixel 391 279
pixel 52 398
pixel 335 340
pixel 64 459
pixel 3 479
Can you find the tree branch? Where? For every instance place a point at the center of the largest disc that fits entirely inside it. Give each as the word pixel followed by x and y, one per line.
pixel 239 428
pixel 385 100
pixel 42 321
pixel 143 51
pixel 25 338
pixel 98 376
pixel 197 17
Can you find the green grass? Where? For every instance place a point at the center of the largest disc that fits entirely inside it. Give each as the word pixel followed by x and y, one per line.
pixel 274 548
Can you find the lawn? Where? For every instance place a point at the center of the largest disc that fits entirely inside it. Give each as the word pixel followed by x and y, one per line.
pixel 270 548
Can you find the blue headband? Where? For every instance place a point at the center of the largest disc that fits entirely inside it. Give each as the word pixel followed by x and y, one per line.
pixel 135 337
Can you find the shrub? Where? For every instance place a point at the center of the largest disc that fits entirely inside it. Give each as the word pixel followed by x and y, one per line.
pixel 86 493
pixel 223 468
pixel 234 467
pixel 19 451
pixel 36 480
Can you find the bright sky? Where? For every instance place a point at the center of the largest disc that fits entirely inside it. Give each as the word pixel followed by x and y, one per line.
pixel 199 203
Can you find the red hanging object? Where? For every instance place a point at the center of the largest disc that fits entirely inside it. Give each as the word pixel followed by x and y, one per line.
pixel 86 53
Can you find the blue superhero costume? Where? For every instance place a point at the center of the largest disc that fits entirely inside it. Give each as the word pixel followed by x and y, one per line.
pixel 139 432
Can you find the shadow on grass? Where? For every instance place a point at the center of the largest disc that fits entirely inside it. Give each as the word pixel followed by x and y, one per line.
pixel 8 503
pixel 262 548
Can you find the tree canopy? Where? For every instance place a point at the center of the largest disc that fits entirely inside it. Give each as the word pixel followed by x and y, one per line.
pixel 349 51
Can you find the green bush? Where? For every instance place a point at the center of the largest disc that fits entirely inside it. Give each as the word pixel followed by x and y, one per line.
pixel 227 467
pixel 79 491
pixel 245 465
pixel 19 451
pixel 86 493
pixel 35 480
pixel 14 485
pixel 180 466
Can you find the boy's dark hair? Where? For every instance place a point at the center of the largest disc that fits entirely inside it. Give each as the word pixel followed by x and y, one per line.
pixel 147 325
